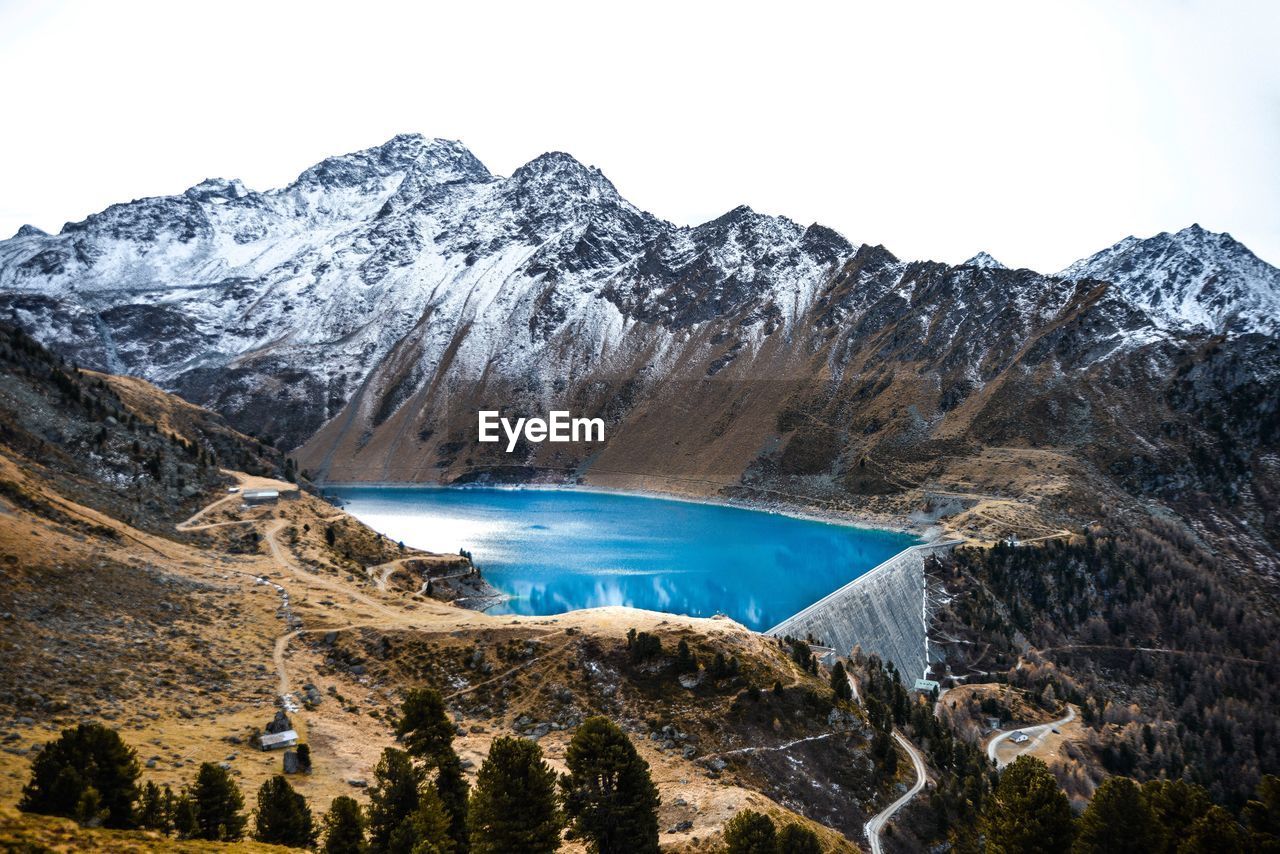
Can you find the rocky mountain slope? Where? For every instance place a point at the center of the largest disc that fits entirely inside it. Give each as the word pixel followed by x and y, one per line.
pixel 367 310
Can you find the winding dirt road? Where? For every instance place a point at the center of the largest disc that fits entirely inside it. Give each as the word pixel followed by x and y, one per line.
pixel 875 826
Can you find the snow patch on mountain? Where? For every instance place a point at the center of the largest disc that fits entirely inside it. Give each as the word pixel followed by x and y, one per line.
pixel 1190 280
pixel 412 256
pixel 985 262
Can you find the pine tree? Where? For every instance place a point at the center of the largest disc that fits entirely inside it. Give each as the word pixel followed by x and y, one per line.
pixel 218 805
pixel 750 832
pixel 1262 815
pixel 89 811
pixel 453 790
pixel 186 821
pixel 1175 805
pixel 304 758
pixel 513 805
pixel 283 815
pixel 393 797
pixel 609 797
pixel 797 839
pixel 343 827
pixel 155 811
pixel 840 683
pixel 1216 832
pixel 425 831
pixel 424 726
pixel 685 660
pixel 1117 820
pixel 89 757
pixel 1027 812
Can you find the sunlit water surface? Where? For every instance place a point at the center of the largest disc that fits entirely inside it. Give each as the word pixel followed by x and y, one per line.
pixel 558 550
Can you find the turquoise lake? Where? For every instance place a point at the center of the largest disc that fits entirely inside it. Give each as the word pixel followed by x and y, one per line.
pixel 559 550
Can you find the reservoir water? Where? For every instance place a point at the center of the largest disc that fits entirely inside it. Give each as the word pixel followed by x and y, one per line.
pixel 559 550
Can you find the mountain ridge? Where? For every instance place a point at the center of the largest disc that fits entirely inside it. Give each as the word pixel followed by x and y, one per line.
pixel 362 313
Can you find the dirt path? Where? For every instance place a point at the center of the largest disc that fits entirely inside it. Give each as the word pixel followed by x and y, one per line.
pixel 876 824
pixel 785 746
pixel 278 653
pixel 515 669
pixel 286 561
pixel 190 523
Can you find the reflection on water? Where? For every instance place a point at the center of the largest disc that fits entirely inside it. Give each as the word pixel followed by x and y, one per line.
pixel 558 550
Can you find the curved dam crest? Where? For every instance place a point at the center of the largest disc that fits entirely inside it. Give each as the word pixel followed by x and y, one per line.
pixel 885 612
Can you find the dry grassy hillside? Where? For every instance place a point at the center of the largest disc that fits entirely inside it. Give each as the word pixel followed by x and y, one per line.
pixel 188 632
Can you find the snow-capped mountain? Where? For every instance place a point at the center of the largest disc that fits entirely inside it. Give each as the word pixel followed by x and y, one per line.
pixel 984 260
pixel 1193 279
pixel 366 310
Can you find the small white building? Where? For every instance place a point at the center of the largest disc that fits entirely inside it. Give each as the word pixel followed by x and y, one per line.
pixel 1019 737
pixel 826 655
pixel 277 740
pixel 926 686
pixel 261 496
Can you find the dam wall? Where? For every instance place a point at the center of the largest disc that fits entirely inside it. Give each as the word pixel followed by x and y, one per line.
pixel 884 611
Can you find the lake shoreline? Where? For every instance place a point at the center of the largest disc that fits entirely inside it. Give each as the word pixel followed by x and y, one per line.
pixel 850 518
pixel 554 548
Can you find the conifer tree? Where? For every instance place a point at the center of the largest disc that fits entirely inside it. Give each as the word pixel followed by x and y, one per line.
pixel 750 832
pixel 609 796
pixel 453 790
pixel 1117 820
pixel 87 773
pixel 218 805
pixel 283 816
pixel 343 827
pixel 1262 815
pixel 425 830
pixel 797 839
pixel 155 810
pixel 1027 812
pixel 840 683
pixel 1216 832
pixel 513 805
pixel 424 725
pixel 393 797
pixel 186 823
pixel 685 660
pixel 1175 805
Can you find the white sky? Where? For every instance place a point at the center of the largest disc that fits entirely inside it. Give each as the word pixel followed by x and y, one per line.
pixel 1038 132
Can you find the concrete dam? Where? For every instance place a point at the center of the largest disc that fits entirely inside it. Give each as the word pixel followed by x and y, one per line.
pixel 885 611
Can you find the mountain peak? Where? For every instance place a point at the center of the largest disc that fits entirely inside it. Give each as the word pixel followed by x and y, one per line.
pixel 217 188
pixel 1190 279
pixel 984 261
pixel 440 160
pixel 29 230
pixel 558 172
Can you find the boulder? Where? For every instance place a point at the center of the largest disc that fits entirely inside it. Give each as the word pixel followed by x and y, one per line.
pixel 280 723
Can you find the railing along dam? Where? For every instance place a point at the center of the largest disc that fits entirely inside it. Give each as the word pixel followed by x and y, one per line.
pixel 885 611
